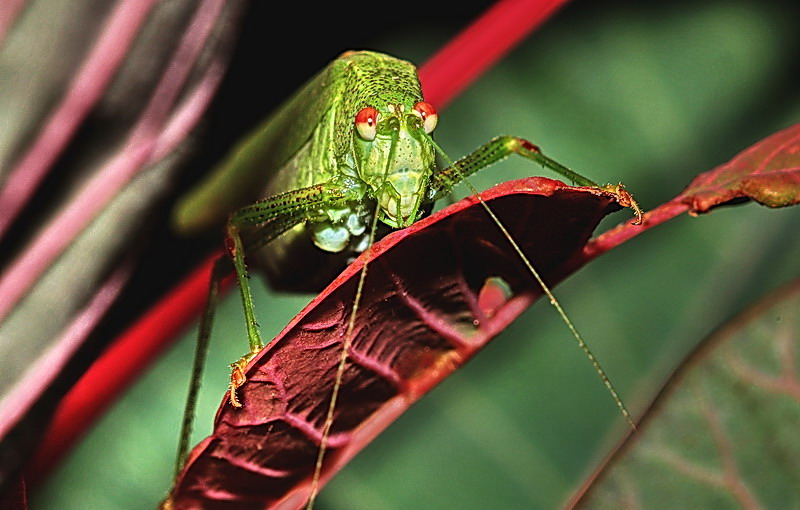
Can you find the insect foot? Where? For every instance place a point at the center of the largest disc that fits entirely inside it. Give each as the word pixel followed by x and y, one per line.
pixel 625 199
pixel 237 376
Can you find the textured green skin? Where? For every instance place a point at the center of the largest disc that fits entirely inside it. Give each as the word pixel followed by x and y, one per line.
pixel 309 140
pixel 312 139
pixel 330 103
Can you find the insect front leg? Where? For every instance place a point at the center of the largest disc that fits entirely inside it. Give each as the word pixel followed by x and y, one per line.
pixel 235 249
pixel 498 149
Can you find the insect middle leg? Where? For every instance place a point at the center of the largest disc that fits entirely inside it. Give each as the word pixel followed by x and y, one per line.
pixel 272 217
pixel 222 267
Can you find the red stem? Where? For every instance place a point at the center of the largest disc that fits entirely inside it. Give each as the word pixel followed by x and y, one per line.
pixel 480 46
pixel 628 230
pixel 119 367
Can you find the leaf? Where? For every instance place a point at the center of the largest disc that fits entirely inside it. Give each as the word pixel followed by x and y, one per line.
pixel 96 130
pixel 91 402
pixel 426 286
pixel 723 432
pixel 767 172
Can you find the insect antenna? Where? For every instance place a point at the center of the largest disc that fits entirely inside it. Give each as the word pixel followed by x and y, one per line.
pixel 348 339
pixel 550 296
pixel 337 384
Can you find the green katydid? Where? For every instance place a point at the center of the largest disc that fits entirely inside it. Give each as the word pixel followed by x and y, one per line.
pixel 350 151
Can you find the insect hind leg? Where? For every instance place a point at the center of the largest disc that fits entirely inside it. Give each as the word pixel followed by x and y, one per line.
pixel 219 270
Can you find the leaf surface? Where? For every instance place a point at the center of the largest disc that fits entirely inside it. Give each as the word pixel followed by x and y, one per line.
pixel 767 172
pixel 723 432
pixel 432 299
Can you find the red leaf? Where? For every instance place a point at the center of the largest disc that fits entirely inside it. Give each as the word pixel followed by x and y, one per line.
pixel 419 319
pixel 767 172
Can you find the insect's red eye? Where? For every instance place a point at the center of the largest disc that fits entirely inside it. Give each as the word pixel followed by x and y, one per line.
pixel 427 113
pixel 366 123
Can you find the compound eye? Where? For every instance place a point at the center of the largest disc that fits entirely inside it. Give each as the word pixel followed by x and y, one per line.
pixel 367 123
pixel 427 113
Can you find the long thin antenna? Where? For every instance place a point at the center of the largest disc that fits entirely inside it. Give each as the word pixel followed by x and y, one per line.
pixel 348 340
pixel 553 301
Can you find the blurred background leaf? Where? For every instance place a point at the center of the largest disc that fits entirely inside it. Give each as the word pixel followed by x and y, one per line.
pixel 649 95
pixel 98 99
pixel 723 434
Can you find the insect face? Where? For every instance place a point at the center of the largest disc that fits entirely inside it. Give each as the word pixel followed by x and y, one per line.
pixel 395 159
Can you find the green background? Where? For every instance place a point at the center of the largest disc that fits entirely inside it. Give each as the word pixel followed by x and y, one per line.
pixel 649 96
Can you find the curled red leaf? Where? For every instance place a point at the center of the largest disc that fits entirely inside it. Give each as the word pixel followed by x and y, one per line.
pixel 423 314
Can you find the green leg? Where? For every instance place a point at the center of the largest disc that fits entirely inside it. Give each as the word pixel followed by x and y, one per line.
pixel 235 250
pixel 220 269
pixel 272 216
pixel 503 146
pixel 497 150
